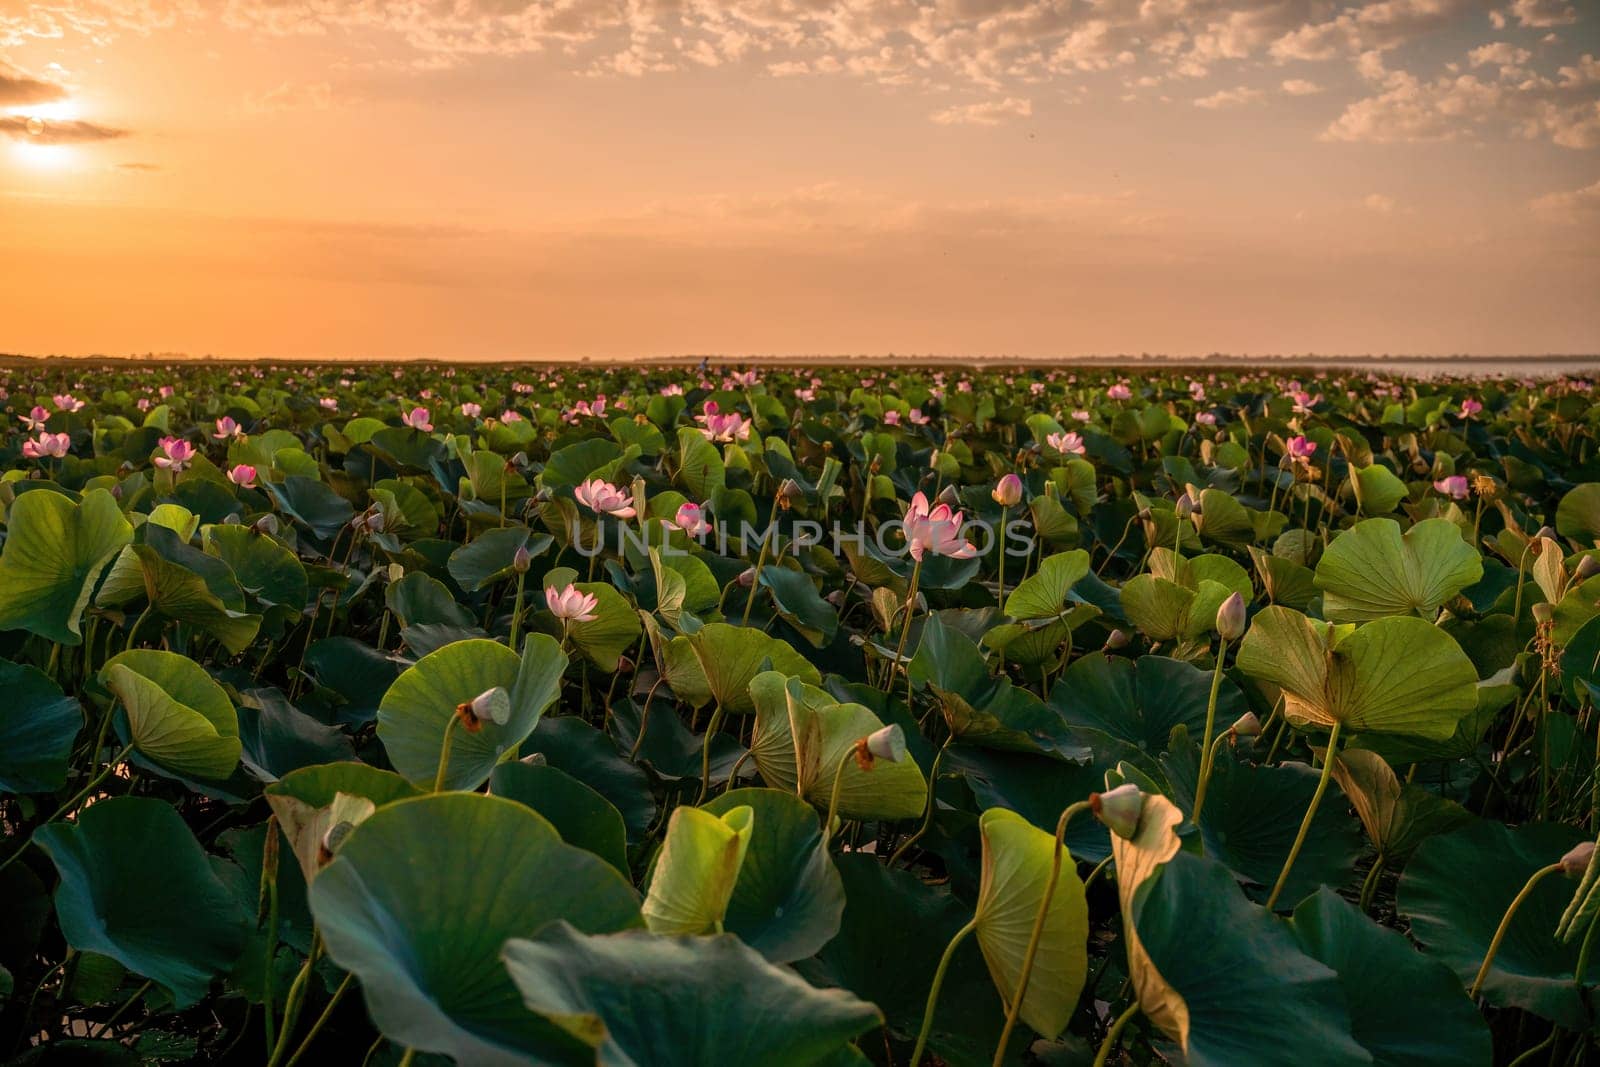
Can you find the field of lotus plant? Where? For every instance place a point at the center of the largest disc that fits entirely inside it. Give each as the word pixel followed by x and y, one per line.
pixel 823 715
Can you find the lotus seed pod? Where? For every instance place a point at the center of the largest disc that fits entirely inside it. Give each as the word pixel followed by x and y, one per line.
pixel 1116 639
pixel 1231 618
pixel 948 495
pixel 1247 725
pixel 888 743
pixel 1577 861
pixel 1546 534
pixel 492 705
pixel 1119 809
pixel 267 524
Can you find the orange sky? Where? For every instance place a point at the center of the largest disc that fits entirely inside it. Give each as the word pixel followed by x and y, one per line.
pixel 502 179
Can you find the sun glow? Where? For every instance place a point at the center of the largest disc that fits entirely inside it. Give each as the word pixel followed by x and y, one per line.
pixel 34 150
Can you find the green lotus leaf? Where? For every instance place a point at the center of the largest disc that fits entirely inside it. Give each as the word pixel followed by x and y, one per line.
pixel 1140 701
pixel 799 603
pixel 578 462
pixel 313 800
pixel 1284 581
pixel 1393 675
pixel 310 503
pixel 265 569
pixel 54 552
pixel 491 556
pixel 788 898
pixel 38 724
pixel 423 701
pixel 1455 891
pixel 700 469
pixel 683 584
pixel 181 583
pixel 422 897
pixel 1159 608
pixel 979 709
pixel 1017 861
pixel 1378 489
pixel 580 815
pixel 697 869
pixel 1196 926
pixel 1044 593
pixel 1373 570
pixel 1138 859
pixel 1397 817
pixel 177 518
pixel 639 999
pixel 572 745
pixel 731 656
pixel 178 717
pixel 1578 514
pixel 1404 1007
pixel 137 887
pixel 613 631
pixel 419 599
pixel 1224 520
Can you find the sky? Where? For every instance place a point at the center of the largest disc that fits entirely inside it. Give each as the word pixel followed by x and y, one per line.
pixel 502 179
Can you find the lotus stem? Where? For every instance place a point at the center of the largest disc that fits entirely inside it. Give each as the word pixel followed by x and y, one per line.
pixel 1208 749
pixel 1369 885
pixel 755 579
pixel 316 1027
pixel 1522 575
pixel 1505 924
pixel 905 627
pixel 444 754
pixel 1583 953
pixel 927 815
pixel 1001 601
pixel 833 797
pixel 516 614
pixel 1038 929
pixel 1311 811
pixel 105 1027
pixel 705 754
pixel 1115 1032
pixel 296 998
pixel 933 992
pixel 1099 869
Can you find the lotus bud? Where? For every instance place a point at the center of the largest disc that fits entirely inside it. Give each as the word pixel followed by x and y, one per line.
pixel 1008 491
pixel 948 495
pixel 1587 568
pixel 1119 809
pixel 521 560
pixel 1231 618
pixel 888 743
pixel 1116 639
pixel 1145 515
pixel 1543 613
pixel 1577 861
pixel 1185 507
pixel 232 519
pixel 267 524
pixel 1546 534
pixel 747 577
pixel 1247 725
pixel 376 521
pixel 535 759
pixel 395 572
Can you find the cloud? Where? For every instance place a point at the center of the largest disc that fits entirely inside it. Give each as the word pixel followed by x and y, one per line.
pixel 315 96
pixel 18 89
pixel 139 168
pixel 1379 203
pixel 22 128
pixel 1228 98
pixel 1300 87
pixel 1543 12
pixel 1453 106
pixel 1579 207
pixel 1380 26
pixel 987 113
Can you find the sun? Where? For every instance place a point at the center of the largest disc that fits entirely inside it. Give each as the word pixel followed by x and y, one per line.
pixel 36 154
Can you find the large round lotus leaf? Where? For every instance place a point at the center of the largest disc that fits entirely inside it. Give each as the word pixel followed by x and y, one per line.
pixel 55 550
pixel 1043 594
pixel 894 929
pixel 1140 701
pixel 1017 861
pixel 580 815
pixel 420 599
pixel 613 630
pixel 1397 817
pixel 1234 976
pixel 491 556
pixel 1373 570
pixel 420 900
pixel 825 738
pixel 1578 514
pixel 423 701
pixel 181 583
pixel 136 886
pixel 731 656
pixel 178 716
pixel 38 724
pixel 1252 815
pixel 1455 891
pixel 1377 488
pixel 265 569
pixel 788 899
pixel 1138 859
pixel 696 870
pixel 980 709
pixel 1393 675
pixel 1283 580
pixel 638 999
pixel 305 802
pixel 1159 608
pixel 1404 1007
pixel 310 503
pixel 572 745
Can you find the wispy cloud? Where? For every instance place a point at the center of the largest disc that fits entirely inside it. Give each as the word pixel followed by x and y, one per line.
pixel 23 128
pixel 986 113
pixel 20 89
pixel 1229 98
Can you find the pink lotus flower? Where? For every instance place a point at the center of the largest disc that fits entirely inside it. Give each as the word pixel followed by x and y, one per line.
pixel 243 475
pixel 1470 407
pixel 963 386
pixel 53 445
pixel 510 416
pixel 672 390
pixel 35 419
pixel 691 520
pixel 743 380
pixel 603 498
pixel 176 454
pixel 917 418
pixel 226 428
pixel 1119 392
pixel 1007 491
pixel 1036 388
pixel 719 427
pixel 166 392
pixel 805 396
pixel 66 402
pixel 891 417
pixel 471 410
pixel 1301 450
pixel 571 604
pixel 1197 391
pixel 144 403
pixel 329 403
pixel 1205 418
pixel 417 419
pixel 937 531
pixel 1068 444
pixel 1081 416
pixel 1456 486
pixel 583 409
pixel 1304 401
